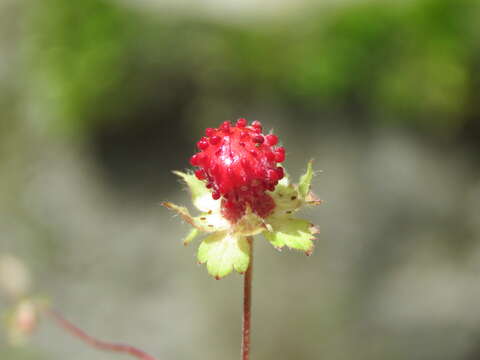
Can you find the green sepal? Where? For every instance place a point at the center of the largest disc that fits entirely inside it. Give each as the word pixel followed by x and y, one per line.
pixel 306 181
pixel 201 195
pixel 250 224
pixel 208 222
pixel 313 200
pixel 183 212
pixel 191 236
pixel 223 252
pixel 294 233
pixel 287 199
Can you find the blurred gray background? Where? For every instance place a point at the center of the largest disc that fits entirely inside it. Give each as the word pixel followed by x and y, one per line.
pixel 101 99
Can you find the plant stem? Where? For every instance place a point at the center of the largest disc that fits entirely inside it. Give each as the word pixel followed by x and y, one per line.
pixel 98 344
pixel 247 305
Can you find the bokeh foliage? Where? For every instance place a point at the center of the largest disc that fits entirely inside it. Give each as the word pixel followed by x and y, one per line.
pixel 413 61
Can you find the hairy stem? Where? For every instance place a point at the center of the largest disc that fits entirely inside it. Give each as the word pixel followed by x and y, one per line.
pixel 98 344
pixel 247 305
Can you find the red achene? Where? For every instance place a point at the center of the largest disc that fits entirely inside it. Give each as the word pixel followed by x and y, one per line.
pixel 239 164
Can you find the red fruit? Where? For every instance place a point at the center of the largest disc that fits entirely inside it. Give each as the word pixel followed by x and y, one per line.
pixel 239 164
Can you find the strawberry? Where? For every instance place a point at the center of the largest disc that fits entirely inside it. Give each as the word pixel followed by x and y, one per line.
pixel 240 164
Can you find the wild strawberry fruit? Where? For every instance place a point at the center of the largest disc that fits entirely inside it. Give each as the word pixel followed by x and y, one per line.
pixel 240 164
pixel 241 191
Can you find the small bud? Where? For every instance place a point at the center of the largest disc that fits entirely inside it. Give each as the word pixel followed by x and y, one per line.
pixel 22 322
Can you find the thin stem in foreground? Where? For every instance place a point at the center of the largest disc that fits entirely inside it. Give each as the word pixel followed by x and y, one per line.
pixel 247 305
pixel 98 344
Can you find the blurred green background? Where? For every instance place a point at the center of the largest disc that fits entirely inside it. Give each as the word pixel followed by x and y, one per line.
pixel 101 99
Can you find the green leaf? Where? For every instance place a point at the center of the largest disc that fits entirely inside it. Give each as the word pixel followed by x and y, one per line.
pixel 305 181
pixel 201 196
pixel 293 233
pixel 223 252
pixel 191 236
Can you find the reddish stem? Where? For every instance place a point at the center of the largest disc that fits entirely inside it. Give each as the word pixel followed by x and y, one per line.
pixel 247 305
pixel 101 345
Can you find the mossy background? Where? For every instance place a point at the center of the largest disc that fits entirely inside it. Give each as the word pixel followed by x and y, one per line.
pixel 101 99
